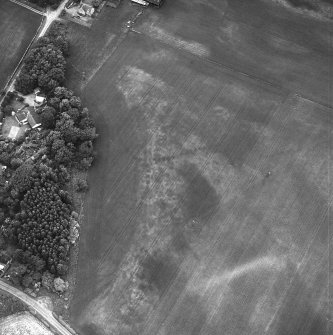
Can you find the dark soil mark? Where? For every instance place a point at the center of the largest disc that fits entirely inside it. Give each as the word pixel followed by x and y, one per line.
pixel 237 144
pixel 157 272
pixel 200 198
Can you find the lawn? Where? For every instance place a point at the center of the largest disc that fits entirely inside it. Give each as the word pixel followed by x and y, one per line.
pixel 184 231
pixel 10 122
pixel 17 28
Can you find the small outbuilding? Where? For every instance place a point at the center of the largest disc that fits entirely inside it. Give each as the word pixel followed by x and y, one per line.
pixel 39 100
pixel 86 10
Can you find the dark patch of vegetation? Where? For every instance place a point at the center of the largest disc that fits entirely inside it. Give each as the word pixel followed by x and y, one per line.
pixel 200 198
pixel 158 271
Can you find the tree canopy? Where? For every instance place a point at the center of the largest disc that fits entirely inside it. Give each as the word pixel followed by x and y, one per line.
pixel 45 64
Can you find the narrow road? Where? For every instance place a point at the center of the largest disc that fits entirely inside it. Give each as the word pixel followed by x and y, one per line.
pixel 51 15
pixel 38 308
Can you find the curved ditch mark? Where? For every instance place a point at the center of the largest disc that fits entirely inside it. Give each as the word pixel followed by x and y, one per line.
pixel 266 263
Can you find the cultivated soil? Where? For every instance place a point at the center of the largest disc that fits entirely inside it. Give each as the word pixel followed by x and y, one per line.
pixel 209 201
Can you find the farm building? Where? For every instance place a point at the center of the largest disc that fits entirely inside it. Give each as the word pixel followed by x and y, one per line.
pixel 33 118
pixel 21 116
pixel 86 10
pixel 27 116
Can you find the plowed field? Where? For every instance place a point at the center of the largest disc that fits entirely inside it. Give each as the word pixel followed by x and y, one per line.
pixel 208 209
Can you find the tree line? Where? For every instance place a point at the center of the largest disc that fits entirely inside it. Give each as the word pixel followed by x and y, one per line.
pixel 35 205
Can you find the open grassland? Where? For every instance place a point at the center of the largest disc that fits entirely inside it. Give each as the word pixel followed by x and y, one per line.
pixel 184 233
pixel 18 25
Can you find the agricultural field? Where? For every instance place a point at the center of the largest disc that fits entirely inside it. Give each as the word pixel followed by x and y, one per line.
pixel 209 202
pixel 18 25
pixel 22 323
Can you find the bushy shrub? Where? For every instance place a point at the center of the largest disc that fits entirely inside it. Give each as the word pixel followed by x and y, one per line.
pixel 81 185
pixel 22 178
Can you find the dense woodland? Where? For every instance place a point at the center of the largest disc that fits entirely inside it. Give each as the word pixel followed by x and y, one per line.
pixel 36 209
pixel 44 66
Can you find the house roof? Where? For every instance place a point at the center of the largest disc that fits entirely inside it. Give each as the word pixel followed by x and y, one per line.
pixel 21 115
pixel 33 119
pixel 89 10
pixel 39 99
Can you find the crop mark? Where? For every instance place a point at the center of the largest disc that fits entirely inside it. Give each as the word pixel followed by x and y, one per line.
pixel 177 42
